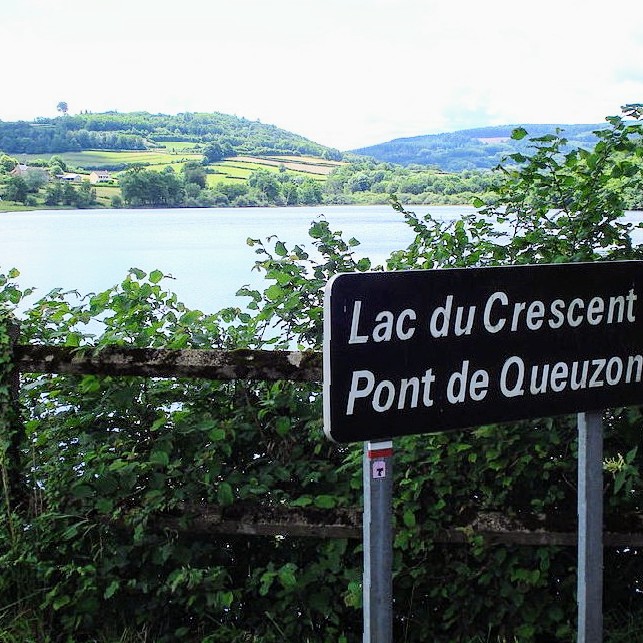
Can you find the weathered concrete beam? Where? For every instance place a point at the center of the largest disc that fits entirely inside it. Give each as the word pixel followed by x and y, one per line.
pixel 243 519
pixel 160 362
pixel 250 519
pixel 537 538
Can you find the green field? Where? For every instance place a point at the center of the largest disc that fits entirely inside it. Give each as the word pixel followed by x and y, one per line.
pixel 96 159
pixel 240 167
pixel 178 153
pixel 104 194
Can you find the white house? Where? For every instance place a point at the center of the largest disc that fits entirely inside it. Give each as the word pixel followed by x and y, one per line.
pixel 99 176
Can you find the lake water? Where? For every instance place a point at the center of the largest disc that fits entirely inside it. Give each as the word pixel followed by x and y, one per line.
pixel 204 250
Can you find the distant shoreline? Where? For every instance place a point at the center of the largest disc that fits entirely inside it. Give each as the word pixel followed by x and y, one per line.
pixel 238 207
pixel 225 207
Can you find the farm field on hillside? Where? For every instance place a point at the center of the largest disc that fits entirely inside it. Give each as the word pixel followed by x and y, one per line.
pixel 305 164
pixel 241 167
pixel 176 154
pixel 96 159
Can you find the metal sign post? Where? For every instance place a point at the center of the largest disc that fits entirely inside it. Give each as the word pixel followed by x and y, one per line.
pixel 378 542
pixel 590 528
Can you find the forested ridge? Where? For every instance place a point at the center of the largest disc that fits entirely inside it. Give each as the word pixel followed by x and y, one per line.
pixel 478 148
pixel 142 130
pixel 471 149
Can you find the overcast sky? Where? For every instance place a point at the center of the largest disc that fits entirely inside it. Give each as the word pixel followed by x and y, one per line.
pixel 344 73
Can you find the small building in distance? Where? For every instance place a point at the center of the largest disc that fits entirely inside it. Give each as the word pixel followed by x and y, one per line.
pixel 99 176
pixel 23 170
pixel 71 177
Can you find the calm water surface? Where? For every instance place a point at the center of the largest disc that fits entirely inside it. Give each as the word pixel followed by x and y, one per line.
pixel 204 250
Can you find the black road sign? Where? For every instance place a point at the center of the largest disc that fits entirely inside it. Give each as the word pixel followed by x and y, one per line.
pixel 434 350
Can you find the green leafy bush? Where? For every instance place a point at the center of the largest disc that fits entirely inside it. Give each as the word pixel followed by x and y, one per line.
pixel 119 470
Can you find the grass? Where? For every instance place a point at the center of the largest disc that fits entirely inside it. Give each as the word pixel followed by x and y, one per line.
pixel 177 154
pixel 104 194
pixel 11 206
pixel 91 159
pixel 305 164
pixel 240 167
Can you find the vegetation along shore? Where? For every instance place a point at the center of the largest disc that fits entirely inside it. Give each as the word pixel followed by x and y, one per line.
pixel 113 160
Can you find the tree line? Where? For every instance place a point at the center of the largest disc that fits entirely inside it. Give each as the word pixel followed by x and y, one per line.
pixel 189 188
pixel 370 181
pixel 141 130
pixel 363 182
pixel 27 138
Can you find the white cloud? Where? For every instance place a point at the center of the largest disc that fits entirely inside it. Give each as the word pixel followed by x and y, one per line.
pixel 346 73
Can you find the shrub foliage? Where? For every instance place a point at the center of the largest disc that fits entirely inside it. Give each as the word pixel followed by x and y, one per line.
pixel 102 478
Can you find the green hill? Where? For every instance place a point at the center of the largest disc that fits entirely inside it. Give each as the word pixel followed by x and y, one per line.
pixel 472 149
pixel 141 130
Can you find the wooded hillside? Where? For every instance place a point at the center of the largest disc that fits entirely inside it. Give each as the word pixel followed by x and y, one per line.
pixel 215 160
pixel 227 135
pixel 472 149
pixel 141 130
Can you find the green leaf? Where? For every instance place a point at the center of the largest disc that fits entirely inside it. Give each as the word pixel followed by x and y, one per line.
pixel 156 276
pixel 112 589
pixel 363 264
pixel 217 435
pixel 324 502
pixel 225 496
pixel 280 249
pixel 409 518
pixel 282 425
pixel 519 133
pixel 302 501
pixel 266 581
pixel 159 423
pixel 317 230
pixel 225 598
pixel 619 480
pixel 287 575
pixel 160 457
pixel 274 292
pixel 138 273
pixel 61 601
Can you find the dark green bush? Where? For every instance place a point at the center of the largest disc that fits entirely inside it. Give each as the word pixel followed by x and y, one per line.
pixel 117 470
